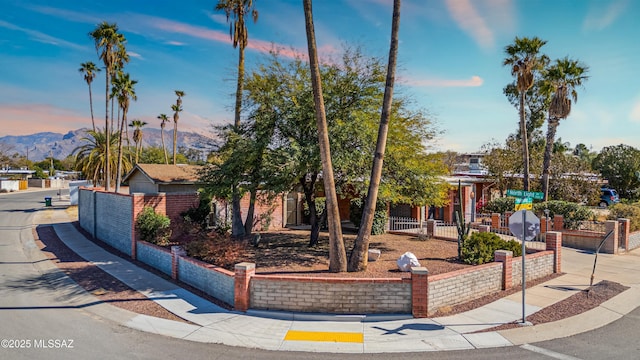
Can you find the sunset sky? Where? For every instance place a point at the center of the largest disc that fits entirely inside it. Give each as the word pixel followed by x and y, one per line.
pixel 450 60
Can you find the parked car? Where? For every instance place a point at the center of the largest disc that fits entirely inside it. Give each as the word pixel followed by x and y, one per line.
pixel 608 197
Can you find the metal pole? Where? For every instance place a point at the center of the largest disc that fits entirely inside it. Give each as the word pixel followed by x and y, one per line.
pixel 524 217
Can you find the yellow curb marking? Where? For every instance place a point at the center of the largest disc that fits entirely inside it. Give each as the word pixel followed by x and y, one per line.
pixel 294 335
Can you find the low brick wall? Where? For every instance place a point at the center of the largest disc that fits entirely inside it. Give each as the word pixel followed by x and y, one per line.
pixel 584 240
pixel 331 295
pixel 154 256
pixel 460 286
pixel 537 265
pixel 210 279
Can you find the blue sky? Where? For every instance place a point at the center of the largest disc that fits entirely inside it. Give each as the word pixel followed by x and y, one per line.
pixel 450 60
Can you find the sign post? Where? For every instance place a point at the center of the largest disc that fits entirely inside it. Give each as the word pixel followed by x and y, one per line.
pixel 524 225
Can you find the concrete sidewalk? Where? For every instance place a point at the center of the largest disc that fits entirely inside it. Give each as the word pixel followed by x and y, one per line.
pixel 357 334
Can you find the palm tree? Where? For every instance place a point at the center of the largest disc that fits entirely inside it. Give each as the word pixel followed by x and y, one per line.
pixel 235 10
pixel 358 258
pixel 163 121
pixel 90 157
pixel 176 109
pixel 137 126
pixel 107 40
pixel 124 87
pixel 562 79
pixel 523 56
pixel 90 70
pixel 337 254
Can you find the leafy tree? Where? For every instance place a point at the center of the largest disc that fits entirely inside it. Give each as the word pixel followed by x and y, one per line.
pixel 90 70
pixel 620 165
pixel 236 10
pixel 562 78
pixel 358 259
pixel 107 40
pixel 155 155
pixel 523 56
pixel 91 156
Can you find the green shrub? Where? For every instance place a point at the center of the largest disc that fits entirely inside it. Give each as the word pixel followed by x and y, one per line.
pixel 626 211
pixel 152 227
pixel 379 216
pixel 573 213
pixel 320 203
pixel 500 205
pixel 199 215
pixel 479 248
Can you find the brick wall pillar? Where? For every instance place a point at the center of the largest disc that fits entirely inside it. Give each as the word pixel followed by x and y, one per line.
pixel 431 228
pixel 507 215
pixel 558 222
pixel 137 202
pixel 243 273
pixel 554 243
pixel 484 228
pixel 419 292
pixel 176 253
pixel 543 224
pixel 506 258
pixel 495 220
pixel 624 233
pixel 611 244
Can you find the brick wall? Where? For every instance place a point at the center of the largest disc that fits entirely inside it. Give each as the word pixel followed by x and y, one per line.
pixel 154 256
pixel 170 204
pixel 460 286
pixel 339 296
pixel 536 266
pixel 274 208
pixel 210 279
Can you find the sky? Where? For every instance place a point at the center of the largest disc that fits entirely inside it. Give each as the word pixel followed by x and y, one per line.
pixel 449 60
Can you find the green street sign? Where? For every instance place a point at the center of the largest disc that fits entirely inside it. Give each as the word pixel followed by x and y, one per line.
pixel 525 194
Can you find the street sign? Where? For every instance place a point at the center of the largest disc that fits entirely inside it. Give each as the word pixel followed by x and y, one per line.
pixel 531 226
pixel 525 194
pixel 524 204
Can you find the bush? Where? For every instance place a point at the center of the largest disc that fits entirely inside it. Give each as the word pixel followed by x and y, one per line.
pixel 479 248
pixel 199 215
pixel 217 250
pixel 573 213
pixel 379 216
pixel 152 227
pixel 626 211
pixel 500 205
pixel 320 203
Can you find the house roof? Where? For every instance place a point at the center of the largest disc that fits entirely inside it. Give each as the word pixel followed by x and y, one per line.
pixel 167 174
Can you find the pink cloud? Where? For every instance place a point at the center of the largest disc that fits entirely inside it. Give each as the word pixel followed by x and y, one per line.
pixel 27 119
pixel 468 19
pixel 474 81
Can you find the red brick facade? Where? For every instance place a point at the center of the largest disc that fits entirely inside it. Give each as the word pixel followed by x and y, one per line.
pixel 267 213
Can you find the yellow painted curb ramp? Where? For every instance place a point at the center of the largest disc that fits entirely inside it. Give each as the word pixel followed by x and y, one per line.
pixel 347 337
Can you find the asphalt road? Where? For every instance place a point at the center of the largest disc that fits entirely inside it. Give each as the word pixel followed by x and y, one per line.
pixel 39 320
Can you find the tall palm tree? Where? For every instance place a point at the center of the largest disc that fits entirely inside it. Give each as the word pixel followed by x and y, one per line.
pixel 561 79
pixel 107 40
pixel 163 122
pixel 337 254
pixel 90 71
pixel 524 58
pixel 236 10
pixel 358 259
pixel 125 89
pixel 137 126
pixel 177 108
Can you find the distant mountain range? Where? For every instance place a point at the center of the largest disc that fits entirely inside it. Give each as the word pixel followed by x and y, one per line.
pixel 39 146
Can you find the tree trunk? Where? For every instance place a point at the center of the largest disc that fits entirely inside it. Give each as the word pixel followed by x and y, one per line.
pixel 237 227
pixel 525 143
pixel 119 168
pixel 175 137
pixel 164 149
pixel 359 254
pixel 337 254
pixel 546 165
pixel 107 155
pixel 93 122
pixel 248 223
pixel 310 199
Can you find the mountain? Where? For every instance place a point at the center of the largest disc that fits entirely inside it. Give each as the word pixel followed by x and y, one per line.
pixel 39 146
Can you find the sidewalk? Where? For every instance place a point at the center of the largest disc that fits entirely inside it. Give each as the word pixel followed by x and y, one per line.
pixel 357 334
